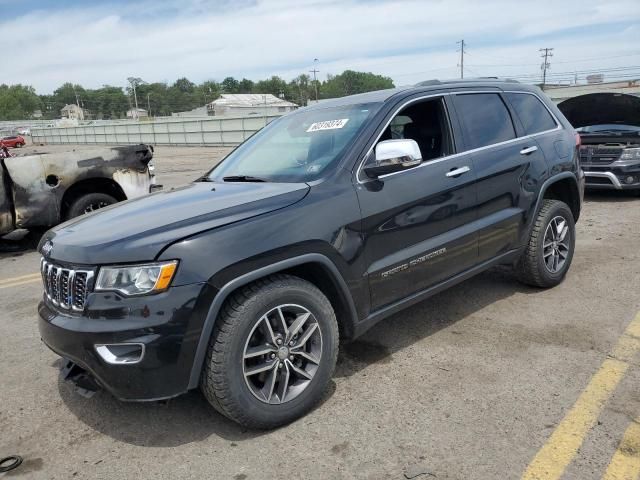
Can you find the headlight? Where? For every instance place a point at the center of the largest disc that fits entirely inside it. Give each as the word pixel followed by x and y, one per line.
pixel 137 279
pixel 630 154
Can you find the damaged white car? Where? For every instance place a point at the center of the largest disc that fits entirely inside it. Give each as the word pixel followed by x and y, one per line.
pixel 42 190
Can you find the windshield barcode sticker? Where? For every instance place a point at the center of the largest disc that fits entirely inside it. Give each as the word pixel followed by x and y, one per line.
pixel 328 125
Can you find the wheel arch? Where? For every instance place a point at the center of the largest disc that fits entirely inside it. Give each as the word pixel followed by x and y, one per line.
pixel 90 185
pixel 312 267
pixel 563 187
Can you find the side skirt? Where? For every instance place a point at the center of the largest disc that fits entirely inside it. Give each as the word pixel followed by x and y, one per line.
pixel 505 258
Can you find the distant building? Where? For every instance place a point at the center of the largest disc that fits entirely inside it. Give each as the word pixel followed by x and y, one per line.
pixel 559 93
pixel 249 104
pixel 72 112
pixel 137 113
pixel 36 114
pixel 315 102
pixel 196 112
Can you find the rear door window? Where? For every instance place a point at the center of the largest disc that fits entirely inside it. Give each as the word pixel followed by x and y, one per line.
pixel 485 119
pixel 533 114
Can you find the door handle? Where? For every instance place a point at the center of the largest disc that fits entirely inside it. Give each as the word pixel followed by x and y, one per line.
pixel 456 172
pixel 528 150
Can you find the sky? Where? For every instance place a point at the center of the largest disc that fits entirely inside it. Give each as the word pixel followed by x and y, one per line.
pixel 93 43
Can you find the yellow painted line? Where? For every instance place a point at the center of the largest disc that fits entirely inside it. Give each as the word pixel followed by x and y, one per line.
pixel 20 278
pixel 625 464
pixel 22 282
pixel 560 449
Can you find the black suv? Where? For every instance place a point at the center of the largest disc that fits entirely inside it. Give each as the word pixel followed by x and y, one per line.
pixel 322 224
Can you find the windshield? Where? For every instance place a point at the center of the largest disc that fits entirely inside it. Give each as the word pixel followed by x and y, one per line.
pixel 299 147
pixel 608 127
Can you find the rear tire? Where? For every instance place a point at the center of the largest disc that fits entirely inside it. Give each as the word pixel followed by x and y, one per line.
pixel 549 252
pixel 88 203
pixel 249 337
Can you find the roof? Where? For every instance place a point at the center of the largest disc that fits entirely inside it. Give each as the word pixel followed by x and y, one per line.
pixel 379 96
pixel 250 100
pixel 70 106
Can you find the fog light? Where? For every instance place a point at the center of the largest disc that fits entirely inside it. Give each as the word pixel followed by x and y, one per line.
pixel 629 179
pixel 121 353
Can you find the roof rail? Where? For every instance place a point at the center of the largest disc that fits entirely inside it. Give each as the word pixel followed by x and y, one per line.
pixel 434 81
pixel 427 83
pixel 508 80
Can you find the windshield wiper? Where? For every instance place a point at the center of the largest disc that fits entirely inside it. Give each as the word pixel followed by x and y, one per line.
pixel 243 178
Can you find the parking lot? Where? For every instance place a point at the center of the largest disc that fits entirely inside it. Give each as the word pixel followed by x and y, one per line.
pixel 490 379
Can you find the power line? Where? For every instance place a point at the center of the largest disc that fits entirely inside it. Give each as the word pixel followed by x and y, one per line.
pixel 577 60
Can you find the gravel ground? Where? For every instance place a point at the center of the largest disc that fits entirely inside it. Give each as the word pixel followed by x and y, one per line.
pixel 467 385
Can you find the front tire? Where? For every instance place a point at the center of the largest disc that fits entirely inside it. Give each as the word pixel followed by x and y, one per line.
pixel 548 255
pixel 272 353
pixel 89 203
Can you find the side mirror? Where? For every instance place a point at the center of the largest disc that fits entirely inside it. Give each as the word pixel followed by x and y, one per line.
pixel 393 156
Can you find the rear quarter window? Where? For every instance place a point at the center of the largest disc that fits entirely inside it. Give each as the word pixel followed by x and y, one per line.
pixel 485 118
pixel 533 114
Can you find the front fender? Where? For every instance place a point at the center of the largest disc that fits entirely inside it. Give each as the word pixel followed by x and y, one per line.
pixel 232 285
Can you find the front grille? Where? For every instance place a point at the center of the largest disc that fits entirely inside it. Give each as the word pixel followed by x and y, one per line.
pixel 603 155
pixel 65 287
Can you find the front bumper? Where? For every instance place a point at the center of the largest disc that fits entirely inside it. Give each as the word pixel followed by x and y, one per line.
pixel 614 176
pixel 168 325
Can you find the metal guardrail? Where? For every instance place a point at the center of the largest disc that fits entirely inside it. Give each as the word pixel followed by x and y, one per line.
pixel 205 131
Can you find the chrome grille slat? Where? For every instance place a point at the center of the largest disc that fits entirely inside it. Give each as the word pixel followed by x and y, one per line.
pixel 66 288
pixel 590 154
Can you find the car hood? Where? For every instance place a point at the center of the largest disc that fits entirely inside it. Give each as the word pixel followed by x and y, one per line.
pixel 601 109
pixel 138 230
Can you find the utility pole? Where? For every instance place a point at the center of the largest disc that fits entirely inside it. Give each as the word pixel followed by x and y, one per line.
pixel 314 71
pixel 462 52
pixel 546 55
pixel 135 97
pixel 135 82
pixel 148 105
pixel 80 111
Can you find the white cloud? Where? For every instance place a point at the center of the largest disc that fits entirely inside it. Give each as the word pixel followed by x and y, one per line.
pixel 408 40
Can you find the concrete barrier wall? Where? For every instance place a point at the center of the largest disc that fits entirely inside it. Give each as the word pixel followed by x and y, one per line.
pixel 205 131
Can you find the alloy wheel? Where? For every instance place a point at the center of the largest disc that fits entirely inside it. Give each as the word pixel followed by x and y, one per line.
pixel 556 244
pixel 282 354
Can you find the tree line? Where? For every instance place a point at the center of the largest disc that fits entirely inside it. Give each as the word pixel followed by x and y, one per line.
pixel 19 102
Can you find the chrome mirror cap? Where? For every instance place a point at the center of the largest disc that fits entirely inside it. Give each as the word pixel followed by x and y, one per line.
pixel 393 156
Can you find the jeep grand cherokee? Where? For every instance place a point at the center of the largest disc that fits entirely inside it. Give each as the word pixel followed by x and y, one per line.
pixel 328 220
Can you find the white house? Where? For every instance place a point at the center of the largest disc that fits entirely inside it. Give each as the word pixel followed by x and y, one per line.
pixel 249 104
pixel 137 113
pixel 72 112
